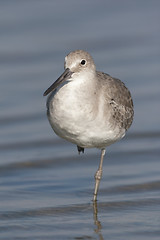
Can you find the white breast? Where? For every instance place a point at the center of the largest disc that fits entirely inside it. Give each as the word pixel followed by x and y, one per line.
pixel 78 119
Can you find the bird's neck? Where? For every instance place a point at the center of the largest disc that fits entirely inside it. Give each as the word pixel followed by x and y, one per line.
pixel 83 85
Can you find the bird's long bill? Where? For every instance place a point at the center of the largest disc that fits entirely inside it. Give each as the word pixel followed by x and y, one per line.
pixel 65 76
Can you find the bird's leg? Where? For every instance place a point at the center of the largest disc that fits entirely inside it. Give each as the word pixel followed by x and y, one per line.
pixel 80 149
pixel 98 175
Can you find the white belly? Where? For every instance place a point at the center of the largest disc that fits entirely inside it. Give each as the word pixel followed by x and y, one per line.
pixel 79 121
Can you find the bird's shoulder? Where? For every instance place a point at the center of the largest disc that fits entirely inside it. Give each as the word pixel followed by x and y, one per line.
pixel 115 89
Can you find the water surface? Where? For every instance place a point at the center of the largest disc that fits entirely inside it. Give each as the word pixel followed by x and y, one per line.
pixel 46 188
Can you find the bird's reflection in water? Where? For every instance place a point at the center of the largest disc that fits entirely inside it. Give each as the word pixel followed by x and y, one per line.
pixel 96 221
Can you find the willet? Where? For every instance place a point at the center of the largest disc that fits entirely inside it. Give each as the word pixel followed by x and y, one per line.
pixel 88 108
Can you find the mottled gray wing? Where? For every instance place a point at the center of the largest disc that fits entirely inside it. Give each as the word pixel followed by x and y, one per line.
pixel 120 100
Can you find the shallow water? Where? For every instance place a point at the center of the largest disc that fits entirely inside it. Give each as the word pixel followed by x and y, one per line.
pixel 46 188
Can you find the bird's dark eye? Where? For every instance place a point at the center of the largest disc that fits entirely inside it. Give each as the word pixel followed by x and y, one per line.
pixel 83 62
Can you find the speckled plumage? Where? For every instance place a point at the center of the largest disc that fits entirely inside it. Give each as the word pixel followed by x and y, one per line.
pixel 119 99
pixel 87 107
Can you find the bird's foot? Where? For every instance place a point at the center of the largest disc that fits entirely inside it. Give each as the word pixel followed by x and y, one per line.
pixel 80 149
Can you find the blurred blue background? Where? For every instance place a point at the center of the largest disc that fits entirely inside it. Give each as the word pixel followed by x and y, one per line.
pixel 38 169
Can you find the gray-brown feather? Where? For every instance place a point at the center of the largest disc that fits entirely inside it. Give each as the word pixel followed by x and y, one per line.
pixel 119 99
